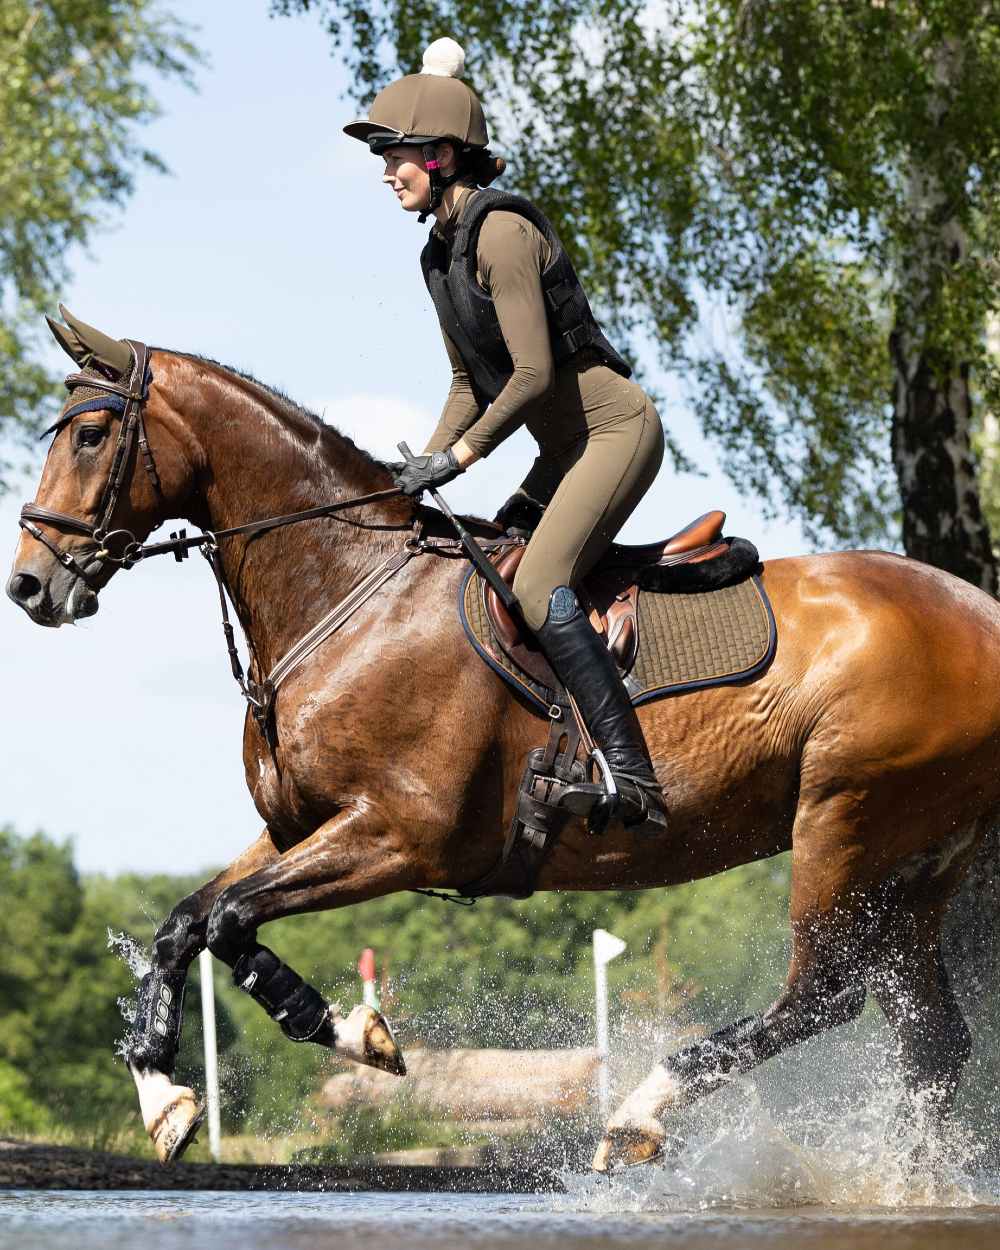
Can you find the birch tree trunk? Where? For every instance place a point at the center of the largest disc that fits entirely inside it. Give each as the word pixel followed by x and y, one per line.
pixel 943 522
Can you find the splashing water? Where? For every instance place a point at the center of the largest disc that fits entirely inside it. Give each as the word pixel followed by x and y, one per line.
pixel 738 1149
pixel 135 956
pixel 131 952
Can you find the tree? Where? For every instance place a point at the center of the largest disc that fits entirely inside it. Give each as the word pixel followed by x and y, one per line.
pixel 59 989
pixel 74 87
pixel 794 204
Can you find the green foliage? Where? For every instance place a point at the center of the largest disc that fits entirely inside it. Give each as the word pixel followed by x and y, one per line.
pixel 19 1112
pixel 74 86
pixel 758 190
pixel 59 988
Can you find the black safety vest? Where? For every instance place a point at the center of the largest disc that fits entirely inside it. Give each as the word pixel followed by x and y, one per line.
pixel 467 312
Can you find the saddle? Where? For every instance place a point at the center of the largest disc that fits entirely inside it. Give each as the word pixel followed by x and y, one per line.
pixel 609 593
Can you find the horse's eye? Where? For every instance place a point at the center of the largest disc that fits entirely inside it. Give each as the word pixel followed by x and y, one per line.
pixel 90 436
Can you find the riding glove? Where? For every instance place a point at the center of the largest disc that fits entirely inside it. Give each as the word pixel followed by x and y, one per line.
pixel 420 472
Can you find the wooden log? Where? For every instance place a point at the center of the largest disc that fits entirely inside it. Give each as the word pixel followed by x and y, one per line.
pixel 476 1084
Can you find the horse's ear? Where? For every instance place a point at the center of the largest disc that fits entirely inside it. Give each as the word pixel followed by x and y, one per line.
pixel 112 356
pixel 68 341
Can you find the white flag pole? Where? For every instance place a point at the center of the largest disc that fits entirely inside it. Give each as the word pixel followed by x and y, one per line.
pixel 211 1053
pixel 606 948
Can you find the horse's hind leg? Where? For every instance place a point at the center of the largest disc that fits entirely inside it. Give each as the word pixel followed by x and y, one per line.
pixel 171 1113
pixel 910 982
pixel 833 915
pixel 811 1002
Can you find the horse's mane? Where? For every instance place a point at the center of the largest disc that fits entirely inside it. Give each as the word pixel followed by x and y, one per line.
pixel 299 418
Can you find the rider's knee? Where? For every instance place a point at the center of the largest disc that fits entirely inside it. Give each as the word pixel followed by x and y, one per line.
pixel 532 593
pixel 230 927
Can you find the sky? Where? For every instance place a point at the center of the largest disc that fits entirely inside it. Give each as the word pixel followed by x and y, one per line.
pixel 271 246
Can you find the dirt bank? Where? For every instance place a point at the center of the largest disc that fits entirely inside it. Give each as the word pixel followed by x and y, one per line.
pixel 31 1166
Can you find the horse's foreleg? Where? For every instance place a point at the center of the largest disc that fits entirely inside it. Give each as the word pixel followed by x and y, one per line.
pixel 171 1113
pixel 344 861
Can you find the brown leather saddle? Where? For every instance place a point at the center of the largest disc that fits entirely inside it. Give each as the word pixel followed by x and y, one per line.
pixel 609 593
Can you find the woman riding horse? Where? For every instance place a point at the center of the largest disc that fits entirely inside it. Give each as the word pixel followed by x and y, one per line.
pixel 525 349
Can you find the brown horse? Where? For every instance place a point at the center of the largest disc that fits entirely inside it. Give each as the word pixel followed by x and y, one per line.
pixel 868 748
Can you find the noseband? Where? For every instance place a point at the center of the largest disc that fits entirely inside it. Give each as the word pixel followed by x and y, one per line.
pixel 126 399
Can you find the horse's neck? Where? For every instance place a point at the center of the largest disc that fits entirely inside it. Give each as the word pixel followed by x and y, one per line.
pixel 261 463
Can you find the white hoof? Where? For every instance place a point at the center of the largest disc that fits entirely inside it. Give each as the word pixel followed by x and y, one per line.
pixel 365 1037
pixel 634 1134
pixel 171 1114
pixel 176 1126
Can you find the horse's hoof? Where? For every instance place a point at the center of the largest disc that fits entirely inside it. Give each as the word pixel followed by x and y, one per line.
pixel 623 1148
pixel 174 1129
pixel 365 1037
pixel 381 1048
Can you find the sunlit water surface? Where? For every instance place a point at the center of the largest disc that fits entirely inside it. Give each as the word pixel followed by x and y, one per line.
pixel 271 1221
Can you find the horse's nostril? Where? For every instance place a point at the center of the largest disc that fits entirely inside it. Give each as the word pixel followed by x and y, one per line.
pixel 23 587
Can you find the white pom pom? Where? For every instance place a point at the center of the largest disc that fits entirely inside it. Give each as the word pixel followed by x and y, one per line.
pixel 445 58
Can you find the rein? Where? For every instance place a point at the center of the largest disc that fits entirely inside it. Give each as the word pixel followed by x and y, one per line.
pixel 128 400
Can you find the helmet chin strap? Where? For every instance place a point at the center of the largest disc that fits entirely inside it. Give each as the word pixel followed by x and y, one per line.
pixel 439 181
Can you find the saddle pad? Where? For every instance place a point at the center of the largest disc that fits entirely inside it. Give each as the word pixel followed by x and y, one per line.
pixel 686 641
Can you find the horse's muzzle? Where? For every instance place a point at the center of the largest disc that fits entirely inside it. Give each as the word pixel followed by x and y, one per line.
pixel 60 601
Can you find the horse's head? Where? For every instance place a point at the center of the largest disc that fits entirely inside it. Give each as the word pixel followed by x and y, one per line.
pixel 101 485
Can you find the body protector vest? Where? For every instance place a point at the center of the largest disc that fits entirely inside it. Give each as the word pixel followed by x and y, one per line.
pixel 469 317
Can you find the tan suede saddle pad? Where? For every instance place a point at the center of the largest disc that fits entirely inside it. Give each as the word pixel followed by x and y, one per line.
pixel 677 615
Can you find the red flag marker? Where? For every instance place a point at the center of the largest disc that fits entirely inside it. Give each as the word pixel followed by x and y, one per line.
pixel 366 968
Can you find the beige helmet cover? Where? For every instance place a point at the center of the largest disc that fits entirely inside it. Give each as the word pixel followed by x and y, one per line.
pixel 434 104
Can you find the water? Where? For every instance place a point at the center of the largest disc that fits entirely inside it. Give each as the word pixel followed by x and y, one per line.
pixel 806 1153
pixel 282 1221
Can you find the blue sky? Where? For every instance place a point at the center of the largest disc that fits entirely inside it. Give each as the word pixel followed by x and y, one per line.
pixel 271 246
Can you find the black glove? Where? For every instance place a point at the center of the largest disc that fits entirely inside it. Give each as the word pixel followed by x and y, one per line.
pixel 419 472
pixel 519 516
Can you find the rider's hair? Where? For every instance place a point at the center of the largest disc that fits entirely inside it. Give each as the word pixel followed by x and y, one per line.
pixel 480 166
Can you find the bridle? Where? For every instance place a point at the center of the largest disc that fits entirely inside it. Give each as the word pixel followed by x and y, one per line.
pixel 126 399
pixel 120 547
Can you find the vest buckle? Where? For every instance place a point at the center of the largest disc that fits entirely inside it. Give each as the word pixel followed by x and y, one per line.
pixel 576 338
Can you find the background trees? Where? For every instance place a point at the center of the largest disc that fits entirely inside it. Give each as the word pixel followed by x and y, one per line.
pixel 75 84
pixel 793 207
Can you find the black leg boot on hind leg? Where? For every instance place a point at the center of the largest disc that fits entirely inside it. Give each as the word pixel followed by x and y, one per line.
pixel 584 665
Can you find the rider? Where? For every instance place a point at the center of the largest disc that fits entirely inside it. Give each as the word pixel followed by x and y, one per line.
pixel 524 349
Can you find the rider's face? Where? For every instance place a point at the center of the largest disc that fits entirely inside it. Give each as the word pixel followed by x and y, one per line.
pixel 406 173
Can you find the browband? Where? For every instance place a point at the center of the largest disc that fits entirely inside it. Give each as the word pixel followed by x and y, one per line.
pixel 98 403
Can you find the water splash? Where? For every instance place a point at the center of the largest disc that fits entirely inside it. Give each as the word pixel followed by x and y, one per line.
pixel 133 953
pixel 135 956
pixel 748 1148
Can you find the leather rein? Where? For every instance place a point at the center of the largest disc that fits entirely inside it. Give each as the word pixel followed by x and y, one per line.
pixel 121 547
pixel 128 400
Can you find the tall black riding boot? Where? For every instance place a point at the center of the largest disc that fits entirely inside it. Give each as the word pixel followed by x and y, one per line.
pixel 585 667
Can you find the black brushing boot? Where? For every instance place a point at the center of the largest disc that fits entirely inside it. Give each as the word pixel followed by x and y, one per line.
pixel 585 667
